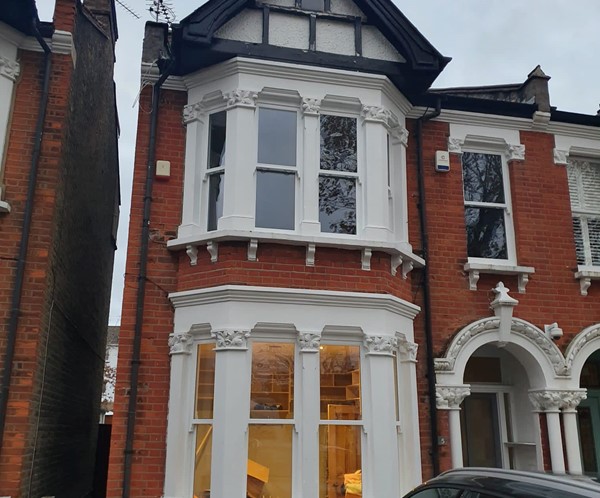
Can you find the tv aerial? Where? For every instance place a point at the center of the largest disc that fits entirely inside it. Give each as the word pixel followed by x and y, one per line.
pixel 161 11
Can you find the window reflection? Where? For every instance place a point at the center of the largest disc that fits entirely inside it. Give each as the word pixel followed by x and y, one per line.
pixel 217 129
pixel 337 204
pixel 486 233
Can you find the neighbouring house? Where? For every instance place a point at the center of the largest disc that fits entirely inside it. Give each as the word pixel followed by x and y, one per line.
pixel 341 281
pixel 59 198
pixel 110 375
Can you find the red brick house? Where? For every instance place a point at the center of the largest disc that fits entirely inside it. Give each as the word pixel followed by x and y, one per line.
pixel 341 282
pixel 59 200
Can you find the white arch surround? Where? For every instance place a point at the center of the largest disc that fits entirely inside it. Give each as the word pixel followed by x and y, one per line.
pixel 529 344
pixel 580 349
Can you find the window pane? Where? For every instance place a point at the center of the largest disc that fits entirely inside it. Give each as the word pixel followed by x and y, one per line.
pixel 594 232
pixel 216 191
pixel 205 381
pixel 340 382
pixel 338 143
pixel 216 139
pixel 277 137
pixel 272 381
pixel 202 461
pixel 337 204
pixel 270 461
pixel 275 200
pixel 578 234
pixel 340 461
pixel 486 233
pixel 482 177
pixel 313 5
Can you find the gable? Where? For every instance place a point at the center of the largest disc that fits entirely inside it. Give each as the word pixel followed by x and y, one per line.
pixel 358 35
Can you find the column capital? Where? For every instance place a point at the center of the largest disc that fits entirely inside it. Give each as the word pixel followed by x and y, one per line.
pixel 380 345
pixel 309 342
pixel 229 339
pixel 192 112
pixel 241 98
pixel 551 401
pixel 450 397
pixel 571 399
pixel 311 107
pixel 180 343
pixel 408 350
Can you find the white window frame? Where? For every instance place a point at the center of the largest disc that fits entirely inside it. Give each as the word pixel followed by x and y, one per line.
pixel 509 227
pixel 210 172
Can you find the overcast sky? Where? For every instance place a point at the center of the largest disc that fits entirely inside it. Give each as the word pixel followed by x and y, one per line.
pixel 490 42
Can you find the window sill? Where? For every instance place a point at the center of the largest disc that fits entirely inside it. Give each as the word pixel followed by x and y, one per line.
pixel 403 258
pixel 585 275
pixel 474 269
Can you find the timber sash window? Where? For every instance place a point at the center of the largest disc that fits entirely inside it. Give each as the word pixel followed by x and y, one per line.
pixel 584 189
pixel 216 167
pixel 276 172
pixel 338 174
pixel 487 216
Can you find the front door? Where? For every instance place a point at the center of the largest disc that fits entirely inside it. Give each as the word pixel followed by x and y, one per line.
pixel 482 442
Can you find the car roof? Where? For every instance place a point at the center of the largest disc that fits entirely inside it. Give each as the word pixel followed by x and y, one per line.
pixel 516 483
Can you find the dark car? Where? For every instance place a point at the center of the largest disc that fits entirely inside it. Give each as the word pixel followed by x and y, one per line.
pixel 500 483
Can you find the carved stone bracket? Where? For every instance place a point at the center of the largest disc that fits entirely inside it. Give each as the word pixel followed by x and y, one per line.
pixel 585 278
pixel 309 342
pixel 455 145
pixel 450 397
pixel 241 98
pixel 180 343
pixel 473 279
pixel 231 339
pixel 310 254
pixel 366 259
pixel 396 261
pixel 9 69
pixel 311 107
pixel 407 350
pixel 379 345
pixel 192 112
pixel 516 152
pixel 252 249
pixel 192 252
pixel 571 399
pixel 546 401
pixel 400 134
pixel 561 157
pixel 375 114
pixel 213 249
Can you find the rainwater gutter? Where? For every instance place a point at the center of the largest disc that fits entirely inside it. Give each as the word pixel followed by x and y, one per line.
pixel 431 391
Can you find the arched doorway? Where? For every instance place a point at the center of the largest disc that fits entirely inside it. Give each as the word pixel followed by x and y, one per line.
pixel 588 416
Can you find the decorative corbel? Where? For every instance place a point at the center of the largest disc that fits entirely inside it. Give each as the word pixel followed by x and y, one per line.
pixel 366 259
pixel 252 248
pixel 310 254
pixel 473 279
pixel 213 249
pixel 503 308
pixel 396 261
pixel 407 267
pixel 192 252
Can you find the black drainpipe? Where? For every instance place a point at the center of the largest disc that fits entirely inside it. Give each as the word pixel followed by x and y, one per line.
pixel 435 453
pixel 141 292
pixel 13 321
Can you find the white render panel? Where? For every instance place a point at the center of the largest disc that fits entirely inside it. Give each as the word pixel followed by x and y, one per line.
pixel 377 46
pixel 289 31
pixel 281 3
pixel 577 145
pixel 335 37
pixel 246 27
pixel 347 8
pixel 461 131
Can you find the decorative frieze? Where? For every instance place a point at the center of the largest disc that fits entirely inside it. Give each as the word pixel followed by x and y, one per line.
pixel 311 107
pixel 241 98
pixel 231 339
pixel 309 342
pixel 450 397
pixel 380 345
pixel 9 69
pixel 180 343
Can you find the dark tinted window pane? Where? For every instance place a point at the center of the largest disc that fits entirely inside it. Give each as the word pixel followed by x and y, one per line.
pixel 216 139
pixel 277 137
pixel 594 232
pixel 313 5
pixel 588 449
pixel 338 143
pixel 486 234
pixel 275 200
pixel 337 204
pixel 578 241
pixel 482 177
pixel 215 199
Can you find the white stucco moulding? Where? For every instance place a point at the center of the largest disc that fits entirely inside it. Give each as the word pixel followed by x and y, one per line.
pixel 581 347
pixel 310 106
pixel 512 151
pixel 474 269
pixel 9 69
pixel 180 343
pixel 309 342
pixel 231 339
pixel 449 397
pixel 407 349
pixel 380 345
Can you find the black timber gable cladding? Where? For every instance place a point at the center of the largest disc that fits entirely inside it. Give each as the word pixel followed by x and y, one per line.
pixel 195 46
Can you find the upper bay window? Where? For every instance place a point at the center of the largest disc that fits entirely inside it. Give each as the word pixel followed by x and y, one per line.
pixel 338 175
pixel 276 171
pixel 487 206
pixel 584 189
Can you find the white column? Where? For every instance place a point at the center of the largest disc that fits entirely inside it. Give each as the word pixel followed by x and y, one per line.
pixel 310 224
pixel 307 411
pixel 9 71
pixel 382 471
pixel 399 216
pixel 374 177
pixel 240 162
pixel 180 440
pixel 549 402
pixel 195 166
pixel 571 400
pixel 410 448
pixel 231 412
pixel 450 398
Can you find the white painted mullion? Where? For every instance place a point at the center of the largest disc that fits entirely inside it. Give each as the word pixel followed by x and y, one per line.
pixel 194 189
